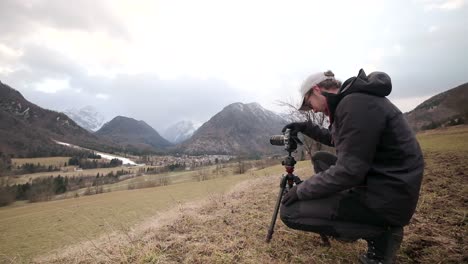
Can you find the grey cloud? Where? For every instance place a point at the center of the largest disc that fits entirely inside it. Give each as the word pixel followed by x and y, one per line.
pixel 38 63
pixel 18 17
pixel 143 96
pixel 162 102
pixel 432 62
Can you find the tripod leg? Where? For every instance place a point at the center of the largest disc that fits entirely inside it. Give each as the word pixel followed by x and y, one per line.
pixel 275 213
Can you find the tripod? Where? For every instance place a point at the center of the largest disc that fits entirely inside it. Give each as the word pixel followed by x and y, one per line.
pixel 289 179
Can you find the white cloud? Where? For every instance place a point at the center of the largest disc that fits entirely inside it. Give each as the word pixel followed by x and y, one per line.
pixel 408 104
pixel 446 5
pixel 52 85
pixel 5 70
pixel 8 51
pixel 102 96
pixel 433 29
pixel 397 49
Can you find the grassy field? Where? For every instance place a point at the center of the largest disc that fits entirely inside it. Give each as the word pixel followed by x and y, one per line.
pixel 137 181
pixel 49 161
pixel 153 180
pixel 231 228
pixel 24 178
pixel 29 230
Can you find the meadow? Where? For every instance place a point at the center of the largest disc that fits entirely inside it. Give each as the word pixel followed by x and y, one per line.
pixel 231 228
pixel 211 222
pixel 69 172
pixel 31 229
pixel 49 161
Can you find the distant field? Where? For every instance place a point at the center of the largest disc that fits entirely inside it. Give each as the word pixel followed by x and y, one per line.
pixel 50 161
pixel 452 139
pixel 28 230
pixel 152 180
pixel 24 178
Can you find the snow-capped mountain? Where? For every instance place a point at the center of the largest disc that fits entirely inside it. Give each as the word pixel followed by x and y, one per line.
pixel 87 117
pixel 180 131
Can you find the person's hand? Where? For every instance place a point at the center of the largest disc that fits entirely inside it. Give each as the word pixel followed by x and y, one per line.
pixel 291 196
pixel 295 127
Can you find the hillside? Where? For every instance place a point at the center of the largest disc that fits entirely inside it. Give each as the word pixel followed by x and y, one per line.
pixel 231 228
pixel 132 134
pixel 29 130
pixel 445 109
pixel 237 129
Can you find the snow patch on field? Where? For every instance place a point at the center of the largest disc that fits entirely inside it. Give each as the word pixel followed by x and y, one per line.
pixel 125 161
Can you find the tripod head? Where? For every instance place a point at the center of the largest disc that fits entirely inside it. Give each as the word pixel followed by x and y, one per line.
pixel 290 178
pixel 289 162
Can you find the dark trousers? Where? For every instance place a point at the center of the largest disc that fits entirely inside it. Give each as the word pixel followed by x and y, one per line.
pixel 342 215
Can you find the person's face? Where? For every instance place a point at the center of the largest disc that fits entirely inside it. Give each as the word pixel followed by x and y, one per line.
pixel 316 101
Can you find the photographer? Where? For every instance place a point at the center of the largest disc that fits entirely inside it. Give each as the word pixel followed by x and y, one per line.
pixel 373 181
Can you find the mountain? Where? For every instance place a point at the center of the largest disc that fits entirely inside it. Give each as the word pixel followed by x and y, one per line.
pixel 29 130
pixel 133 135
pixel 237 129
pixel 179 131
pixel 87 117
pixel 445 109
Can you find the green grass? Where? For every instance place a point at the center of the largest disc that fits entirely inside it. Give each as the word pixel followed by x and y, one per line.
pixel 29 230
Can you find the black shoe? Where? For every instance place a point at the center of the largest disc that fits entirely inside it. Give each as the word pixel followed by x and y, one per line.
pixel 383 249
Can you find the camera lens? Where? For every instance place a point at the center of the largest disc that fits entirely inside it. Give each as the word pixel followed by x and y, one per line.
pixel 277 140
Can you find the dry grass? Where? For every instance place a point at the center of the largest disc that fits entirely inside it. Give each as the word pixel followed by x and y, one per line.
pixel 225 228
pixel 29 230
pixel 231 228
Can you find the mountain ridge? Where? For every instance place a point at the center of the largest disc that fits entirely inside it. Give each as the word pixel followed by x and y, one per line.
pixel 30 130
pixel 133 134
pixel 444 109
pixel 242 129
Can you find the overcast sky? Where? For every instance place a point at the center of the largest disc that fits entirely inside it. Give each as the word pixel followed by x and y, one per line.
pixel 166 61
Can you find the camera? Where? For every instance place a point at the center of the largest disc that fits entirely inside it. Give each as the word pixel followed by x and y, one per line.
pixel 289 142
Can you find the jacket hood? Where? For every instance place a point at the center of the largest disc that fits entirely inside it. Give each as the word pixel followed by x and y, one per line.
pixel 377 84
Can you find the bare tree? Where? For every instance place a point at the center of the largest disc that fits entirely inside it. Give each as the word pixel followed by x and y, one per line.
pixel 294 115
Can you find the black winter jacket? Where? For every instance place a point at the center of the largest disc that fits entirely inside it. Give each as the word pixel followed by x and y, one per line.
pixel 378 154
